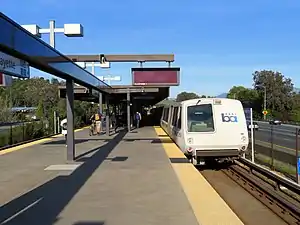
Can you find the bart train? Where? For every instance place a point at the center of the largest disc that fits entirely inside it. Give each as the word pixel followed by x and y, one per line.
pixel 207 128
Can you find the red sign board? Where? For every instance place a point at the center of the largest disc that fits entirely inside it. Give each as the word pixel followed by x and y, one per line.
pixel 1 79
pixel 155 76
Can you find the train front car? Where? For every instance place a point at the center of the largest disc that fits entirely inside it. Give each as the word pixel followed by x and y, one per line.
pixel 214 129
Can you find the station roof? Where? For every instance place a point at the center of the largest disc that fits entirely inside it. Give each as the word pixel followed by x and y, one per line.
pixel 118 93
pixel 19 43
pixel 123 58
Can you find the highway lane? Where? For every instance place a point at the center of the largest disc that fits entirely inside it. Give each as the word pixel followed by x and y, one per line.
pixel 283 135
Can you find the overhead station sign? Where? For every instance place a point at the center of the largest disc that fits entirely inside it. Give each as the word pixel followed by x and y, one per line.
pixel 155 76
pixel 12 66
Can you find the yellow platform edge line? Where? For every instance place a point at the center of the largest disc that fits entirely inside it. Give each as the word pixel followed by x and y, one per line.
pixel 208 206
pixel 29 144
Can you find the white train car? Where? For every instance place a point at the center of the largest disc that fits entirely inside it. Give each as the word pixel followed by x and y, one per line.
pixel 207 128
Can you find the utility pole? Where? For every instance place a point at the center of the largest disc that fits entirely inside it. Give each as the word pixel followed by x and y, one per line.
pixel 265 101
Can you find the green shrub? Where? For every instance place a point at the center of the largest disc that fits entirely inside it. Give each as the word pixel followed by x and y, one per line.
pixel 28 131
pixel 24 132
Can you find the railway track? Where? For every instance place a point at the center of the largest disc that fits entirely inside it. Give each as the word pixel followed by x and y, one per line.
pixel 279 194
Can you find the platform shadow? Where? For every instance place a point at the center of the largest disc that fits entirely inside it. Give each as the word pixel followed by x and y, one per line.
pixel 114 159
pixel 89 223
pixel 179 160
pixel 43 204
pixel 77 141
pixel 153 140
pixel 63 142
pixel 163 135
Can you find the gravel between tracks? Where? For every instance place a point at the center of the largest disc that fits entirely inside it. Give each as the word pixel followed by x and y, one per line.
pixel 249 209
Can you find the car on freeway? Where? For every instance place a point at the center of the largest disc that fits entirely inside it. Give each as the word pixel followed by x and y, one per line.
pixel 275 122
pixel 255 125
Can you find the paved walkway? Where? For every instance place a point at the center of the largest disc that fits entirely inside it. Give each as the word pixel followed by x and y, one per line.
pixel 127 180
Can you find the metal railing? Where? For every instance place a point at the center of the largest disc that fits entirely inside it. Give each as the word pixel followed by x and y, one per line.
pixel 13 133
pixel 278 193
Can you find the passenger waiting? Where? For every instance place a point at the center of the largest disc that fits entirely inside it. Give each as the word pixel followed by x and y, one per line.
pixel 64 129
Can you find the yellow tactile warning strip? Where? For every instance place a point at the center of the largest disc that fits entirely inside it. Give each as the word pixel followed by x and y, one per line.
pixel 209 208
pixel 19 147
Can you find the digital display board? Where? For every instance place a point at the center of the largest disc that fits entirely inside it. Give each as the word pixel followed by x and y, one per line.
pixel 156 76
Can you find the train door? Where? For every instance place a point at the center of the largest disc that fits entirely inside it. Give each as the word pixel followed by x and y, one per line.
pixel 173 123
pixel 164 119
pixel 170 120
pixel 180 133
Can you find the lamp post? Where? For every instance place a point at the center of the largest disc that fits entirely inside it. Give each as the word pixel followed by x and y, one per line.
pixel 110 78
pixel 70 30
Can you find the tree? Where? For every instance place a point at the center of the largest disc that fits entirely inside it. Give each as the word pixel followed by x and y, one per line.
pixel 279 92
pixel 295 112
pixel 5 113
pixel 245 95
pixel 248 97
pixel 40 110
pixel 54 81
pixel 186 96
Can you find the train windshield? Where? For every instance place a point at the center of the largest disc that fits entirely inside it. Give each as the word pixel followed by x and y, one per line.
pixel 200 118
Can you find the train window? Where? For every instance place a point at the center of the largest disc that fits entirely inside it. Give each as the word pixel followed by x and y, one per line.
pixel 166 114
pixel 163 114
pixel 178 125
pixel 200 118
pixel 175 116
pixel 171 115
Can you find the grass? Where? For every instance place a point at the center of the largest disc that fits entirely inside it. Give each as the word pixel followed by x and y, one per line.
pixel 284 169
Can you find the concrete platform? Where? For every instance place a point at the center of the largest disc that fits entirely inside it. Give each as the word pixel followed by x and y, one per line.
pixel 128 178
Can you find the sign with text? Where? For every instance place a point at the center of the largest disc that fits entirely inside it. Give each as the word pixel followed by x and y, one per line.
pixel 13 66
pixel 165 76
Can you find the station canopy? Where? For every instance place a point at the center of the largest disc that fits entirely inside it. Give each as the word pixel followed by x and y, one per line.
pixel 18 42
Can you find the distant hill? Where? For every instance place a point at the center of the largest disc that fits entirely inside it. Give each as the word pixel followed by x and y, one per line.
pixel 297 90
pixel 224 95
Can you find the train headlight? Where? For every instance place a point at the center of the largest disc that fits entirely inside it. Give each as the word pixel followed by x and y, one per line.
pixel 190 140
pixel 189 150
pixel 243 138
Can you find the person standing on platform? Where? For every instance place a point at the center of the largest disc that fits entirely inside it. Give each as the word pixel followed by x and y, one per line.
pixel 97 118
pixel 138 118
pixel 64 128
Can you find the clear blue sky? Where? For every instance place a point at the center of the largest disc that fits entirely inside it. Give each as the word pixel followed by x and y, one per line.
pixel 216 43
